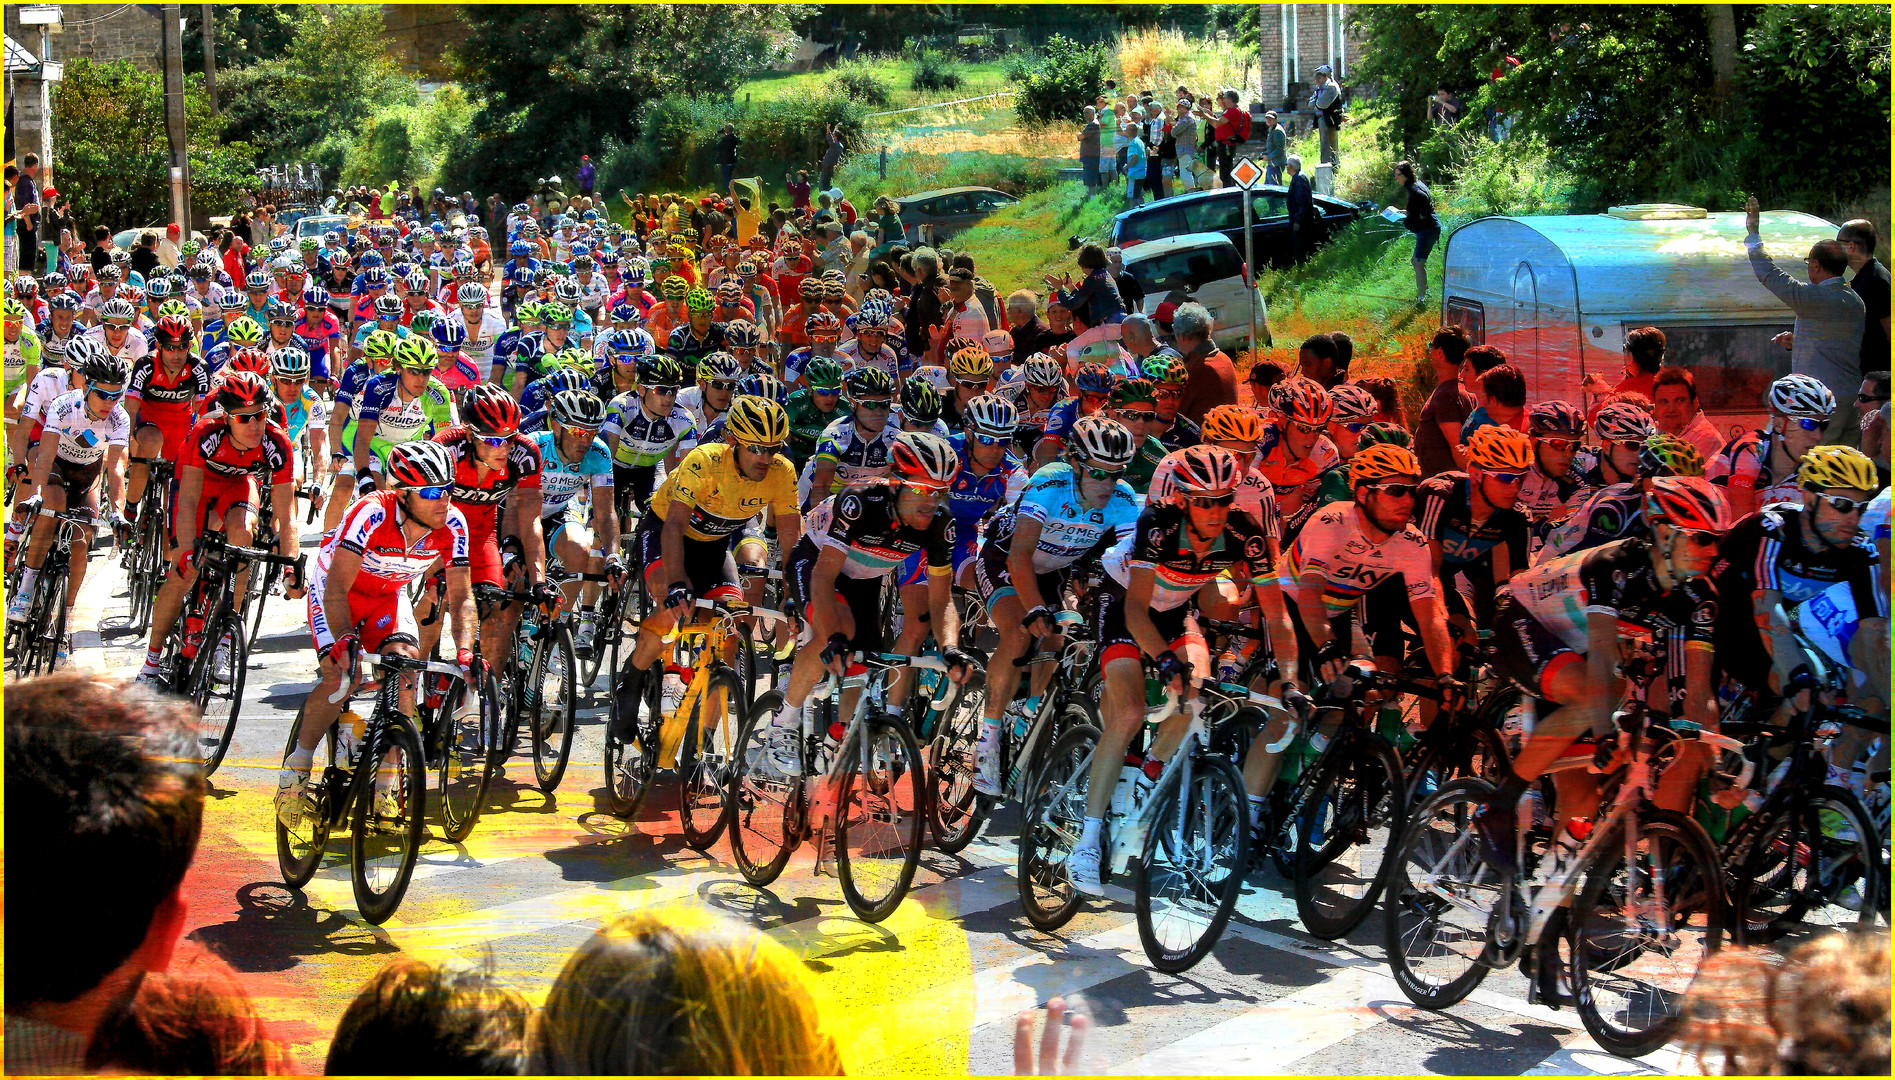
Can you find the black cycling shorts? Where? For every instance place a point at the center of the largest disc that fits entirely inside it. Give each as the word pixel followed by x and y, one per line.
pixel 1176 626
pixel 862 595
pixel 709 567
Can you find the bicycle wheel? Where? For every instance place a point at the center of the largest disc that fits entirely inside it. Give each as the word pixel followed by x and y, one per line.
pixel 1352 814
pixel 631 764
pixel 550 706
pixel 1193 865
pixel 1472 752
pixel 880 815
pixel 389 791
pixel 767 813
pixel 704 759
pixel 469 757
pixel 1642 928
pixel 955 810
pixel 1809 866
pixel 262 582
pixel 216 684
pixel 299 851
pixel 50 619
pixel 1052 820
pixel 604 635
pixel 1440 897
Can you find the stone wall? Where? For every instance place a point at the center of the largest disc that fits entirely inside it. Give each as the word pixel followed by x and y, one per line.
pixel 101 32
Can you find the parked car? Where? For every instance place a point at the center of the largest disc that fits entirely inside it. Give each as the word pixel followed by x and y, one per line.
pixel 317 224
pixel 949 210
pixel 1208 267
pixel 1222 211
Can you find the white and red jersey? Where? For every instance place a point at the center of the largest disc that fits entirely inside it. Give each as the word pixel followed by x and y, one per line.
pixel 372 529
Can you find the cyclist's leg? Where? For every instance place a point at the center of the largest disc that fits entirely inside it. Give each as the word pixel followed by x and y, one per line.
pixel 239 526
pixel 341 494
pixel 568 542
pixel 81 543
pixel 912 582
pixel 169 602
pixel 651 632
pixel 148 443
pixel 1120 710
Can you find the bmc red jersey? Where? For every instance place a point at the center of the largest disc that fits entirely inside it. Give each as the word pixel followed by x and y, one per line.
pixel 211 449
pixel 481 498
pixel 166 398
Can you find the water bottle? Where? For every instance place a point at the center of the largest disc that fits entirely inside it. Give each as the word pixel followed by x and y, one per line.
pixel 349 728
pixel 1388 721
pixel 1124 791
pixel 1230 666
pixel 193 635
pixel 673 690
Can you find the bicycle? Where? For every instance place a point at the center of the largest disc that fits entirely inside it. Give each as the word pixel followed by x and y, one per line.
pixel 263 584
pixel 33 646
pixel 871 790
pixel 383 803
pixel 538 679
pixel 144 557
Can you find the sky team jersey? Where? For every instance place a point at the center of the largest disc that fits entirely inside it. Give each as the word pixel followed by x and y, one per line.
pixel 1617 580
pixel 644 441
pixel 1068 528
pixel 562 481
pixel 1445 513
pixel 1766 551
pixel 212 449
pixel 1161 542
pixel 372 529
pixel 1614 512
pixel 21 353
pixel 308 409
pixel 1744 464
pixel 481 497
pixel 1333 545
pixel 861 520
pixel 720 498
pixel 397 420
pixel 83 438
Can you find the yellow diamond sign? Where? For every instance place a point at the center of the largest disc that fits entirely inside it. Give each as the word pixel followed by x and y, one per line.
pixel 1247 173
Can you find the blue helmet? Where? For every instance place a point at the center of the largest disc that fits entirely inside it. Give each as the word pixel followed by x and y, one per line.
pixel 624 345
pixel 448 333
pixel 519 249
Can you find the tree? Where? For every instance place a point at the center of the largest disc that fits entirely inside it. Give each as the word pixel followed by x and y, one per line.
pixel 246 34
pixel 334 75
pixel 112 157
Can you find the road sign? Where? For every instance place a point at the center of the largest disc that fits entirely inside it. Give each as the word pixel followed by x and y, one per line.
pixel 1247 173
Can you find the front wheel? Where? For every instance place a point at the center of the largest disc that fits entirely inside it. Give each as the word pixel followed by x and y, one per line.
pixel 390 789
pixel 469 751
pixel 1052 820
pixel 1192 869
pixel 955 810
pixel 631 762
pixel 551 705
pixel 704 761
pixel 1441 894
pixel 767 808
pixel 216 684
pixel 299 851
pixel 879 823
pixel 1348 820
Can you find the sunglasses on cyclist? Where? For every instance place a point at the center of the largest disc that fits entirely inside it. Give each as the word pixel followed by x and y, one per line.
pixel 108 395
pixel 1557 444
pixel 431 494
pixel 1700 537
pixel 875 404
pixel 247 417
pixel 1809 423
pixel 764 449
pixel 1507 479
pixel 1309 429
pixel 282 322
pixel 1842 504
pixel 1867 399
pixel 1210 501
pixel 661 390
pixel 1091 473
pixel 494 441
pixel 1139 416
pixel 990 440
pixel 722 384
pixel 1395 491
pixel 1163 394
pixel 966 385
pixel 1353 429
pixel 1090 397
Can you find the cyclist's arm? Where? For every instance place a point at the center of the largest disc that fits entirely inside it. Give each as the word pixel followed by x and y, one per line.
pixel 1435 555
pixel 115 476
pixel 1026 541
pixel 947 615
pixel 1700 702
pixel 184 515
pixel 1276 619
pixel 1773 623
pixel 1309 604
pixel 822 584
pixel 789 529
pixel 821 478
pixel 344 566
pixel 131 406
pixel 17 439
pixel 1431 617
pixel 531 504
pixel 460 604
pixel 364 433
pixel 605 521
pixel 318 456
pixel 1047 449
pixel 1602 656
pixel 283 509
pixel 1138 611
pixel 671 546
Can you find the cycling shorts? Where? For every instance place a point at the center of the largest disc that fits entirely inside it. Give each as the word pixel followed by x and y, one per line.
pixel 862 596
pixel 1178 626
pixel 995 580
pixel 483 555
pixel 1527 653
pixel 175 427
pixel 80 481
pixel 709 567
pixel 632 486
pixel 382 617
pixel 914 569
pixel 220 495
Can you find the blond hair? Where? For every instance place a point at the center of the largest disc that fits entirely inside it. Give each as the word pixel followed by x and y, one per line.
pixel 681 993
pixel 1823 1011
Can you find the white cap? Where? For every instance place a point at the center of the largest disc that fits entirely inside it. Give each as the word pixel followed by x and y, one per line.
pixel 1324 70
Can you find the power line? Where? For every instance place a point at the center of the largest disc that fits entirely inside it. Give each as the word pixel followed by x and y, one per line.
pixel 113 14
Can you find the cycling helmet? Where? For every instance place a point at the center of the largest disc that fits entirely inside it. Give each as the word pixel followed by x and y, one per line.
pixel 1801 395
pixel 414 354
pixel 633 273
pixel 1164 369
pixel 1132 392
pixel 1300 400
pixel 675 287
pixel 608 258
pixel 415 282
pixel 110 272
pixel 957 343
pixel 746 268
pixel 562 380
pixel 872 316
pixel 1688 502
pixel 279 308
pixel 374 278
pixel 697 301
pixel 121 256
pixel 387 307
pixel 659 370
pixel 1094 379
pixel 104 369
pixel 920 401
pixel 823 325
pixel 626 346
pixel 1204 470
pixel 555 315
pixel 833 287
pixel 729 292
pixel 626 312
pixel 24 285
pixel 757 420
pixel 998 343
pixel 1624 422
pixel 923 460
pixel 992 415
pixel 61 301
pixel 421 463
pixel 823 373
pixel 519 248
pixel 252 360
pixel 1499 449
pixel 379 346
pixel 290 363
pixel 472 294
pixel 742 334
pixel 308 243
pixel 118 308
pixel 315 296
pixel 719 365
pixel 1353 405
pixel 372 260
pixel 257 281
pixel 1556 418
pixel 757 384
pixel 1043 370
pixel 583 261
pixel 1837 467
pixel 577 409
pixel 867 382
pixel 567 290
pixel 1668 455
pixel 159 289
pixel 1102 443
pixel 173 331
pixel 54 281
pixel 1233 423
pixel 810 288
pixel 576 358
pixel 1383 461
pixel 971 364
pixel 15 311
pixel 490 410
pixel 242 390
pixel 81 351
pixel 527 312
pixel 528 353
pixel 448 334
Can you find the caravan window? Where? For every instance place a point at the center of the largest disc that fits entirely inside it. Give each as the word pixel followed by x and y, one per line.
pixel 1469 316
pixel 1733 366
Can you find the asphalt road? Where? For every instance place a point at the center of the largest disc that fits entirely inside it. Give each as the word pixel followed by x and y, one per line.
pixel 932 989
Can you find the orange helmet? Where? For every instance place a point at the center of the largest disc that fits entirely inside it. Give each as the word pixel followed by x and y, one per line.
pixel 1233 423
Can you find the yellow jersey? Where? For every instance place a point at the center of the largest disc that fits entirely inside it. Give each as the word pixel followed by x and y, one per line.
pixel 720 499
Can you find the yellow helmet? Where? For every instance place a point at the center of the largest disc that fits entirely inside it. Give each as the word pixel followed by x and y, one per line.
pixel 757 421
pixel 971 364
pixel 380 345
pixel 1837 467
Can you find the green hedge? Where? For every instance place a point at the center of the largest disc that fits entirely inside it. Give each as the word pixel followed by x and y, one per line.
pixel 677 143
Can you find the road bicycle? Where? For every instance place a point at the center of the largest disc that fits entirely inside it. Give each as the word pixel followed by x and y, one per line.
pixel 144 556
pixel 263 584
pixel 36 644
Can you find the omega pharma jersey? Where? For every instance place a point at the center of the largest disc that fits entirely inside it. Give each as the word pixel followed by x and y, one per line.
pixel 1068 528
pixel 562 481
pixel 644 441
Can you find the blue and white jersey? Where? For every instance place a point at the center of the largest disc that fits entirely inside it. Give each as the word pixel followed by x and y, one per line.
pixel 645 441
pixel 1068 529
pixel 562 481
pixel 308 408
pixel 856 454
pixel 850 353
pixel 1061 420
pixel 971 497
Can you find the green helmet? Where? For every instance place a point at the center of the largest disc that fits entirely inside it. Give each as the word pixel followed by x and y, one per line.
pixel 555 315
pixel 380 346
pixel 659 370
pixel 698 300
pixel 528 312
pixel 309 243
pixel 1164 369
pixel 414 354
pixel 575 358
pixel 190 249
pixel 174 307
pixel 15 311
pixel 1132 392
pixel 823 373
pixel 245 331
pixel 1383 431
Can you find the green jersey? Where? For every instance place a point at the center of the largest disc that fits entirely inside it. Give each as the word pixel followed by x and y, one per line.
pixel 807 423
pixel 21 354
pixel 1144 464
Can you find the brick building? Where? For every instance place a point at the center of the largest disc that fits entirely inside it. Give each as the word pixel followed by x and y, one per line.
pixel 101 32
pixel 1296 39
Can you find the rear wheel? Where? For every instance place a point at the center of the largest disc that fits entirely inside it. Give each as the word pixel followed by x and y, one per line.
pixel 1809 866
pixel 390 789
pixel 262 583
pixel 551 706
pixel 1192 869
pixel 704 761
pixel 879 824
pixel 766 808
pixel 1053 819
pixel 631 763
pixel 955 810
pixel 216 684
pixel 1344 829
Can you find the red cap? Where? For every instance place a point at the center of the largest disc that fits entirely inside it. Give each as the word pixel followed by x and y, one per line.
pixel 49 190
pixel 585 157
pixel 172 229
pixel 1163 315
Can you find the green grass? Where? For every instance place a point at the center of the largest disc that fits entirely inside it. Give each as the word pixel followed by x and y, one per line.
pixel 894 73
pixel 1017 247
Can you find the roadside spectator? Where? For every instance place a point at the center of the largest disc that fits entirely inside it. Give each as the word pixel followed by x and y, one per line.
pixel 924 304
pixel 1094 300
pixel 1644 355
pixel 1060 328
pixel 888 218
pixel 416 1018
pixel 798 187
pixel 1418 217
pixel 585 175
pixel 1870 282
pixel 105 804
pixel 55 217
pixel 1089 150
pixel 1120 138
pixel 1872 414
pixel 1211 379
pixel 831 155
pixel 983 290
pixel 1300 203
pixel 680 993
pixel 101 250
pixel 145 254
pixel 1025 324
pixel 1438 430
pixel 1388 397
pixel 26 205
pixel 1478 361
pixel 1276 151
pixel 12 222
pixel 1263 376
pixel 1504 393
pixel 1137 160
pixel 1316 360
pixel 1326 100
pixel 961 314
pixel 193 1020
pixel 1827 343
pixel 1676 412
pixel 726 156
pixel 168 253
pixel 1345 355
pixel 1444 109
pixel 1231 129
pixel 1130 291
pixel 1184 142
pixel 1822 1012
pixel 1157 135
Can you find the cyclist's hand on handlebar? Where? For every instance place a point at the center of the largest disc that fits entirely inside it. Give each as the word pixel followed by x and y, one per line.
pixel 293 583
pixel 340 652
pixel 836 654
pixel 464 659
pixel 1453 692
pixel 1173 670
pixel 1039 621
pixel 1331 660
pixel 960 665
pixel 678 600
pixel 545 592
pixel 615 569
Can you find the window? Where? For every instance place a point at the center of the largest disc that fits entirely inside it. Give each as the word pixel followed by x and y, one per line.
pixel 1743 358
pixel 947 205
pixel 1187 268
pixel 1155 225
pixel 990 200
pixel 1469 316
pixel 1213 215
pixel 1265 205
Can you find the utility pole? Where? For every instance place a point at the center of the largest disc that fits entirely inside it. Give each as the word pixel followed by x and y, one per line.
pixel 173 27
pixel 210 56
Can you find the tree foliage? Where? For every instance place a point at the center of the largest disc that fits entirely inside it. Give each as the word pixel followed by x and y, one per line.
pixel 246 34
pixel 1062 83
pixel 308 101
pixel 111 154
pixel 557 81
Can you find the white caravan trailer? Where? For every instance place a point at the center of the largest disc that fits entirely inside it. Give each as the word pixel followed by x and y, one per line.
pixel 1559 293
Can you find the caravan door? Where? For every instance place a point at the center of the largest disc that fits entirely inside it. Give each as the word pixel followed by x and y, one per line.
pixel 1525 352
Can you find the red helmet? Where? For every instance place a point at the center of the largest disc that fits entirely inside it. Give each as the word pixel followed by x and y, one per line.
pixel 1203 469
pixel 489 410
pixel 251 360
pixel 242 390
pixel 1688 502
pixel 173 332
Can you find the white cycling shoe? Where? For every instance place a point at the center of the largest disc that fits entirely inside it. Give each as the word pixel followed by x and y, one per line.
pixel 1082 869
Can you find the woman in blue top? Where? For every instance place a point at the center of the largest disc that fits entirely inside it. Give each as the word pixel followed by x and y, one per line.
pixel 1095 300
pixel 1137 157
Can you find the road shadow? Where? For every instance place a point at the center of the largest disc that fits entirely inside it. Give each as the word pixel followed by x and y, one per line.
pixel 276 928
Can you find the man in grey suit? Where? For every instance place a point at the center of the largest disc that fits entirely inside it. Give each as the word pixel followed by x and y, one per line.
pixel 1826 341
pixel 1325 99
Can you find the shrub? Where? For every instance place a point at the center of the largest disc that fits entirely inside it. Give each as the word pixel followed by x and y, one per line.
pixel 677 139
pixel 1018 64
pixel 934 70
pixel 1068 77
pixel 857 82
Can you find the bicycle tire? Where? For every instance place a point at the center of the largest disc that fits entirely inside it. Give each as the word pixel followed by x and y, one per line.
pixel 463 789
pixel 892 795
pixel 1048 833
pixel 631 765
pixel 1414 930
pixel 704 759
pixel 380 871
pixel 956 811
pixel 52 619
pixel 1216 815
pixel 1803 855
pixel 602 627
pixel 767 812
pixel 262 581
pixel 1605 960
pixel 552 721
pixel 299 857
pixel 1473 752
pixel 214 740
pixel 1332 898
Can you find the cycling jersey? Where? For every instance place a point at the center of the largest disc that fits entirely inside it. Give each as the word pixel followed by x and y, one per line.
pixel 807 423
pixel 372 529
pixel 972 497
pixel 691 400
pixel 1033 419
pixel 1061 418
pixel 211 450
pixel 685 346
pixel 1161 542
pixel 850 353
pixel 720 498
pixel 644 441
pixel 562 481
pixel 862 521
pixel 84 438
pixel 1255 495
pixel 1297 480
pixel 1617 580
pixel 46 386
pixel 1151 453
pixel 857 456
pixel 1766 551
pixel 167 401
pixel 1549 500
pixel 458 374
pixel 53 345
pixel 308 409
pixel 398 421
pixel 370 325
pixel 317 336
pixel 797 362
pixel 134 349
pixel 1333 545
pixel 1445 514
pixel 1612 513
pixel 1744 464
pixel 21 353
pixel 1874 522
pixel 1181 434
pixel 348 391
pixel 1068 528
pixel 482 337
